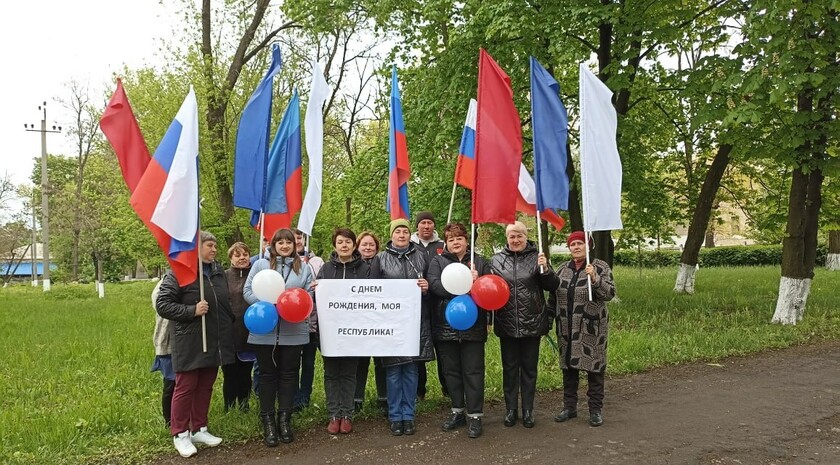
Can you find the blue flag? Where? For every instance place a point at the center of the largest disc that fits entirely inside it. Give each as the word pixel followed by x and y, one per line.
pixel 251 154
pixel 550 123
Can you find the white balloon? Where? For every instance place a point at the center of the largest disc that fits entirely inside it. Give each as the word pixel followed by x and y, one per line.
pixel 268 285
pixel 456 278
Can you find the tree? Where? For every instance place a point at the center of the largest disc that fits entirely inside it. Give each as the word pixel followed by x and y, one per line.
pixel 794 85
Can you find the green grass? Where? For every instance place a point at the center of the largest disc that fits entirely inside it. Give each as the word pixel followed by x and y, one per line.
pixel 76 386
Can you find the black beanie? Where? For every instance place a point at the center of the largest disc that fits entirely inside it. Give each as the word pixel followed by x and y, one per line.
pixel 424 216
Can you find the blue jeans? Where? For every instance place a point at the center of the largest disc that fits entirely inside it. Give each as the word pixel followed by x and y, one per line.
pixel 307 371
pixel 402 391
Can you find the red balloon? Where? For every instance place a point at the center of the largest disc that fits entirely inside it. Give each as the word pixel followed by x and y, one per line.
pixel 294 305
pixel 490 292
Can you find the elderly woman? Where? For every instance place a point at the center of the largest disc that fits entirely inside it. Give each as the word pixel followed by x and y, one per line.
pixel 462 352
pixel 237 380
pixel 368 246
pixel 196 369
pixel 340 372
pixel 278 353
pixel 402 259
pixel 524 319
pixel 582 326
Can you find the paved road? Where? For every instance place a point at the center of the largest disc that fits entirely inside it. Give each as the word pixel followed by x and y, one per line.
pixel 778 407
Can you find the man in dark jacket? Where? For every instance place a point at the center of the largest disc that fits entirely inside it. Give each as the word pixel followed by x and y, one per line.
pixel 426 238
pixel 461 351
pixel 196 369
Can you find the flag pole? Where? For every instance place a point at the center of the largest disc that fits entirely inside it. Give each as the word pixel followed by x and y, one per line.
pixel 201 288
pixel 262 235
pixel 472 242
pixel 452 204
pixel 539 238
pixel 586 247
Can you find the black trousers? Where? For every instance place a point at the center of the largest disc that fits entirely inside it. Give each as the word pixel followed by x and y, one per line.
pixel 166 399
pixel 422 376
pixel 520 357
pixel 279 366
pixel 340 385
pixel 463 369
pixel 595 391
pixel 378 376
pixel 237 383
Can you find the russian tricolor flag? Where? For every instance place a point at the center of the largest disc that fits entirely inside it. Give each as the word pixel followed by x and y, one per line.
pixel 465 167
pixel 284 184
pixel 399 170
pixel 166 197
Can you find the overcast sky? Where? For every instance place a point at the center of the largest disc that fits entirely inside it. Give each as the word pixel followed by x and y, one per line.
pixel 45 44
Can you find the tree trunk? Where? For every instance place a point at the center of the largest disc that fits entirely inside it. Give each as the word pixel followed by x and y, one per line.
pixel 575 218
pixel 700 221
pixel 348 213
pixel 832 260
pixel 709 237
pixel 603 247
pixel 799 249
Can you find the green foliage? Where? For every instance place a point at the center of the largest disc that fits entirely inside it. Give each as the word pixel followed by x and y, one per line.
pixel 740 255
pixel 86 395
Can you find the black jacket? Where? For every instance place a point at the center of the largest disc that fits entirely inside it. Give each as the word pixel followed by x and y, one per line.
pixel 441 330
pixel 409 264
pixel 178 304
pixel 236 282
pixel 526 313
pixel 354 269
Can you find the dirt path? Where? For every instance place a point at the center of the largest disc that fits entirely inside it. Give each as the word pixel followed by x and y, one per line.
pixel 779 407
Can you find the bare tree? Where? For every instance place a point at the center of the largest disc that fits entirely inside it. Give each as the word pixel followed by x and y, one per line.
pixel 84 133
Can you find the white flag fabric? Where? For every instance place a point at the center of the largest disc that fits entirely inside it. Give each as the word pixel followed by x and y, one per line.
pixel 313 126
pixel 176 211
pixel 600 165
pixel 527 188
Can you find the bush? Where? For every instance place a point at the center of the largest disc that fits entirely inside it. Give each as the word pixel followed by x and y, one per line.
pixel 738 255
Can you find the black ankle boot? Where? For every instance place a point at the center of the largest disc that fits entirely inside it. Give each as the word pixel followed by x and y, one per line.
pixel 284 424
pixel 528 418
pixel 510 417
pixel 269 429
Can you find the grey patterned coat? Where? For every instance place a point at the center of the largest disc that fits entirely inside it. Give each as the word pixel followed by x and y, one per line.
pixel 583 326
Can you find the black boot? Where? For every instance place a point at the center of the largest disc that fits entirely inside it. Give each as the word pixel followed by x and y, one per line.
pixel 455 420
pixel 269 429
pixel 284 424
pixel 474 427
pixel 510 417
pixel 528 418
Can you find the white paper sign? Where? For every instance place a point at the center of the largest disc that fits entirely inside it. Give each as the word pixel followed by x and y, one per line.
pixel 368 317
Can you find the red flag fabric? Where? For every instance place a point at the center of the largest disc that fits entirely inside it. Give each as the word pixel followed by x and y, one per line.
pixel 121 129
pixel 498 146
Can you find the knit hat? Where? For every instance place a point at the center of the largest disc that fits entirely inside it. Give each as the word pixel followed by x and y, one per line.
pixel 424 216
pixel 577 236
pixel 396 224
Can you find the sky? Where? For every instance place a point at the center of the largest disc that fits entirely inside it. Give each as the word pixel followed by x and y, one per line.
pixel 46 44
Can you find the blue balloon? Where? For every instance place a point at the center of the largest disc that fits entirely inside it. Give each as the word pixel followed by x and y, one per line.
pixel 461 312
pixel 261 318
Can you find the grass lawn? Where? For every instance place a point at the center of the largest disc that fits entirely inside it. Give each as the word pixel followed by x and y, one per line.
pixel 76 386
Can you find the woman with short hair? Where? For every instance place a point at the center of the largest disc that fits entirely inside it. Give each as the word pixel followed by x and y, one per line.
pixel 524 319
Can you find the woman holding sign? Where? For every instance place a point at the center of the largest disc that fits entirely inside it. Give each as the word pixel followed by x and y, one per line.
pixel 401 259
pixel 461 351
pixel 368 245
pixel 340 372
pixel 582 327
pixel 278 352
pixel 522 322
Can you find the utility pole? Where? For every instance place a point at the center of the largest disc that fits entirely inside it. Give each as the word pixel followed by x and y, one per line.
pixel 33 252
pixel 45 208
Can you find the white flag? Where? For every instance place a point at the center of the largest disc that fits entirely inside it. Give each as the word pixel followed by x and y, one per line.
pixel 600 165
pixel 313 126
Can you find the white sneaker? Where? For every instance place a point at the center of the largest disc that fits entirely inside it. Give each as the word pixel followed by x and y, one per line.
pixel 204 437
pixel 184 444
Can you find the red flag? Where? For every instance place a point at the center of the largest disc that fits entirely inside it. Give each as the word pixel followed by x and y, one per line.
pixel 498 146
pixel 121 129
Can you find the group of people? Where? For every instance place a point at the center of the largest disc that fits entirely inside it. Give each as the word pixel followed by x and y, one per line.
pixel 283 361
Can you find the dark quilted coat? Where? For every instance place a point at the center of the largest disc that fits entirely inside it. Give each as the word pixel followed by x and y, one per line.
pixel 441 330
pixel 526 313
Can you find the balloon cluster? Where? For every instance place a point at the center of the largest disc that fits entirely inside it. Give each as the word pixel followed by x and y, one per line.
pixel 293 305
pixel 489 292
